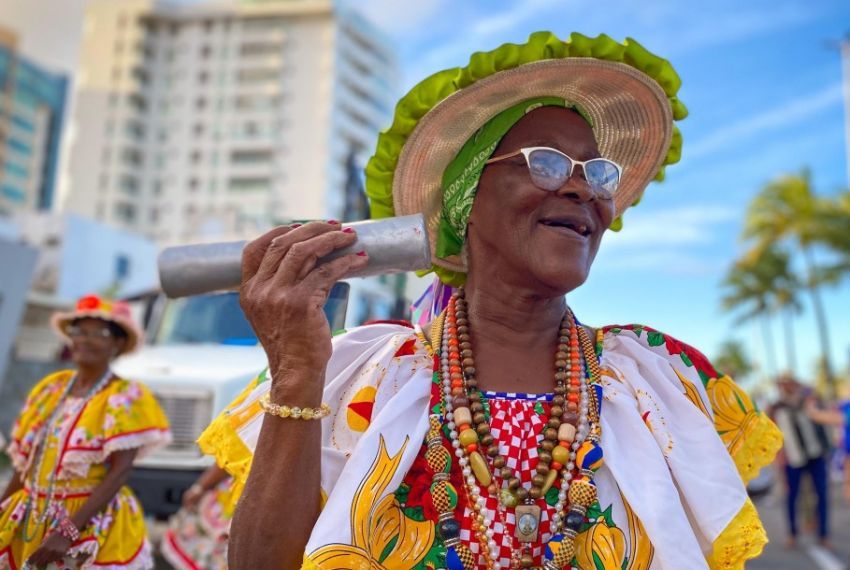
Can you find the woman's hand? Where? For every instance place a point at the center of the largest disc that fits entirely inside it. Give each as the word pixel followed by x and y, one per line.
pixel 192 496
pixel 283 294
pixel 54 548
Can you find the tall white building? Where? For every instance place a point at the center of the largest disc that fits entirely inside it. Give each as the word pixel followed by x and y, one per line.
pixel 213 120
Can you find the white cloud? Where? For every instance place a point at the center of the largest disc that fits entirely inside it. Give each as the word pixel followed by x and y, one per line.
pixel 664 240
pixel 777 117
pixel 739 22
pixel 670 228
pixel 400 19
pixel 663 262
pixel 506 20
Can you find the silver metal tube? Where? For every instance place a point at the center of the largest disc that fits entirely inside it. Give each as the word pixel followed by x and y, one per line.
pixel 394 245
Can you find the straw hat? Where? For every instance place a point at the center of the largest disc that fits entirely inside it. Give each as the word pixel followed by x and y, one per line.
pixel 92 306
pixel 628 94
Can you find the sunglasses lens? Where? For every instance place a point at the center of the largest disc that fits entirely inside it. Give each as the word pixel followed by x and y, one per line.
pixel 549 170
pixel 602 174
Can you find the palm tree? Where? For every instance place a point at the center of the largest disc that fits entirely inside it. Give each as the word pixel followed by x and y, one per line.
pixel 836 229
pixel 732 360
pixel 787 301
pixel 756 285
pixel 787 209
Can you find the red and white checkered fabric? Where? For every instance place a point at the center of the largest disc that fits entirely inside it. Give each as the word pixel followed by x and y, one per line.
pixel 517 427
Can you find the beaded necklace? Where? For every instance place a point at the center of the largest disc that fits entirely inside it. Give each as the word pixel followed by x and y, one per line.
pixel 570 448
pixel 41 444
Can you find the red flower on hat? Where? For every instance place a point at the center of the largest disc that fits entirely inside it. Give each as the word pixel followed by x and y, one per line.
pixel 88 303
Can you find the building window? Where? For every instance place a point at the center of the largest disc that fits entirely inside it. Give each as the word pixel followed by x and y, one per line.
pixel 241 157
pixel 20 147
pixel 196 157
pixel 23 124
pixel 135 129
pixel 140 75
pixel 256 102
pixel 203 77
pixel 128 184
pixel 249 184
pixel 263 24
pixel 104 183
pixel 122 267
pixel 206 51
pixel 157 187
pixel 125 212
pixel 132 157
pixel 138 102
pixel 257 75
pixel 193 184
pixel 258 49
pixel 200 103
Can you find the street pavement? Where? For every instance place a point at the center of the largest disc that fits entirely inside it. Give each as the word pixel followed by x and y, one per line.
pixel 808 554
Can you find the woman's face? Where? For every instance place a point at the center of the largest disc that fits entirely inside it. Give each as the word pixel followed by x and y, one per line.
pixel 93 342
pixel 522 229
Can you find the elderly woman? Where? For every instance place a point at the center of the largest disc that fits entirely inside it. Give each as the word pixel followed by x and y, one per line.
pixel 73 446
pixel 507 434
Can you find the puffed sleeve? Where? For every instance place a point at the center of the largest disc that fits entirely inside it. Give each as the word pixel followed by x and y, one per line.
pixel 134 420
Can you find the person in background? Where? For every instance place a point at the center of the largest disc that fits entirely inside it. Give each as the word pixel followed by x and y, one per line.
pixel 805 451
pixel 197 535
pixel 837 417
pixel 73 446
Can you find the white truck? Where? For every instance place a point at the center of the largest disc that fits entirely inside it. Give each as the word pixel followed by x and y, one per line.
pixel 199 354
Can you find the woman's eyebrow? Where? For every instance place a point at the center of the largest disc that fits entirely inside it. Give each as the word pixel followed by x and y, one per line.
pixel 584 153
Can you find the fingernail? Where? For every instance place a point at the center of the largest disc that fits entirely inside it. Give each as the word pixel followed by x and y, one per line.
pixel 347 230
pixel 293 226
pixel 361 253
pixel 333 222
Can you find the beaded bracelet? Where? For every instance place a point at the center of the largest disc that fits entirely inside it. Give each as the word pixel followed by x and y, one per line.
pixel 293 412
pixel 68 530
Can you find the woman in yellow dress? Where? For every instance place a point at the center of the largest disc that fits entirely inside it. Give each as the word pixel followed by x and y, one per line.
pixel 73 446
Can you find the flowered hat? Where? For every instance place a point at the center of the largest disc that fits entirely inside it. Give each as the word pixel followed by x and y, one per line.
pixel 93 306
pixel 627 94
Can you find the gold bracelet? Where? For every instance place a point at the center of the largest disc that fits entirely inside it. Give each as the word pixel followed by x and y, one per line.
pixel 293 412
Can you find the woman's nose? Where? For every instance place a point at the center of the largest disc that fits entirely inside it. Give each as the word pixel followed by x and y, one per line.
pixel 577 188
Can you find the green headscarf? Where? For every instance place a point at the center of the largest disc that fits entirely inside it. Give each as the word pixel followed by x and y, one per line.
pixel 460 179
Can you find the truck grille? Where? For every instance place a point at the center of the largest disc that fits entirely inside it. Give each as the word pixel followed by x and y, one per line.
pixel 188 416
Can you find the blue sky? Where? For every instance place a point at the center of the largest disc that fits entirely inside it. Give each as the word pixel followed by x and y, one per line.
pixel 764 94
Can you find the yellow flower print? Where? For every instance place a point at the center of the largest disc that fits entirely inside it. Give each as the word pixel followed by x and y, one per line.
pixel 382 537
pixel 603 546
pixel 733 410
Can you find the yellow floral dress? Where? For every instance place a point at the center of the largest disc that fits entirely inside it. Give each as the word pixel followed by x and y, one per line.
pixel 123 415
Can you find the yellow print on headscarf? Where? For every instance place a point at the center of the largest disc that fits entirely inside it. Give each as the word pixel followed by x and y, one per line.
pixel 382 538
